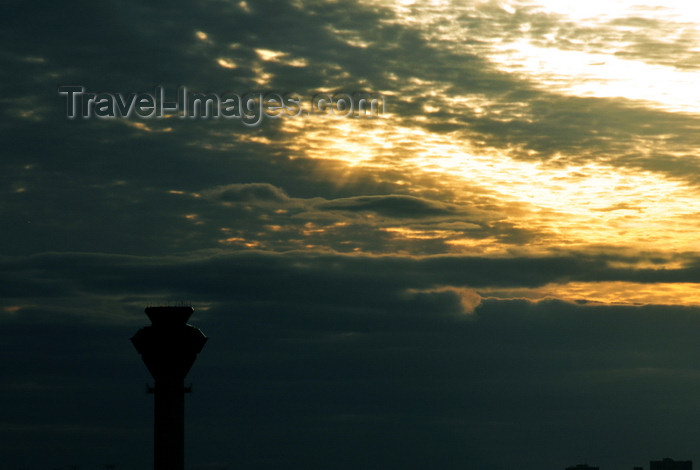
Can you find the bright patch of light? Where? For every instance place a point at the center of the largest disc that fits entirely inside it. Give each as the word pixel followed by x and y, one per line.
pixel 226 63
pixel 611 293
pixel 605 9
pixel 566 66
pixel 269 55
pixel 244 6
pixel 580 73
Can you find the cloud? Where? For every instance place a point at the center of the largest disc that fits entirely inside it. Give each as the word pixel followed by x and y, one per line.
pixel 317 278
pixel 250 192
pixel 468 298
pixel 397 206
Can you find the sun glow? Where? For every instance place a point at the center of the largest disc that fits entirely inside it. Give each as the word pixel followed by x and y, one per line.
pixel 513 199
pixel 561 204
pixel 565 205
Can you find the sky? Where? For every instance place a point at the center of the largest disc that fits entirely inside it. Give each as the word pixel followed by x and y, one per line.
pixel 499 271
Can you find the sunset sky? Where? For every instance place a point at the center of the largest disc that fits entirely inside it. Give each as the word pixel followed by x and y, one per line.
pixel 501 271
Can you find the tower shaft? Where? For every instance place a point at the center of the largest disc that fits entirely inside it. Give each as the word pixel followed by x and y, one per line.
pixel 169 424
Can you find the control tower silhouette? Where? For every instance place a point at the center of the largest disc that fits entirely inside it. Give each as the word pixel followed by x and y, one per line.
pixel 169 347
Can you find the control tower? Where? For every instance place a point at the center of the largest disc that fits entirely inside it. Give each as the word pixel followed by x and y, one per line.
pixel 169 347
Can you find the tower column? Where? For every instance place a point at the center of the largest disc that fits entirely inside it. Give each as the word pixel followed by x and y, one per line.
pixel 169 424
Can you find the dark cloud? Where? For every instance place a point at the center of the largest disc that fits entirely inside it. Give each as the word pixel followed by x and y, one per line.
pixel 252 192
pixel 321 277
pixel 392 206
pixel 284 371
